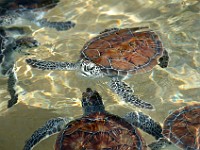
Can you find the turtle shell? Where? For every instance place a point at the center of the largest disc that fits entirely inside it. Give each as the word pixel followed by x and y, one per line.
pixel 100 131
pixel 182 127
pixel 124 50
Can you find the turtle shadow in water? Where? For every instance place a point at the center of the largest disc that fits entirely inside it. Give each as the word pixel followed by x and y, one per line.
pixel 9 47
pixel 118 54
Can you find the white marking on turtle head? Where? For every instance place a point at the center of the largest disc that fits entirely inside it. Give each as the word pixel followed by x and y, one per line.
pixel 90 69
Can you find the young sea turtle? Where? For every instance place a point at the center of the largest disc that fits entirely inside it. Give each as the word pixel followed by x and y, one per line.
pixel 9 46
pixel 182 127
pixel 14 10
pixel 117 53
pixel 97 129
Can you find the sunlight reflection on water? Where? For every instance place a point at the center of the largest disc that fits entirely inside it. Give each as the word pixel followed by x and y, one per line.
pixel 57 93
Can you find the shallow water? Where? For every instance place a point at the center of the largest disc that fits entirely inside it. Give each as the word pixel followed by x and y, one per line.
pixel 47 94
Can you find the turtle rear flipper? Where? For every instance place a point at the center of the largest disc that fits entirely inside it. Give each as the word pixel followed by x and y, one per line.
pixel 51 127
pixel 164 60
pixel 126 93
pixel 12 80
pixel 50 65
pixel 144 122
pixel 158 145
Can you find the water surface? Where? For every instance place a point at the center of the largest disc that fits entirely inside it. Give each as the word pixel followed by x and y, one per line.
pixel 47 94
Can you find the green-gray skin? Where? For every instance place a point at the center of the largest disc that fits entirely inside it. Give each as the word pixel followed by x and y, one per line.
pixel 9 46
pixel 92 103
pixel 35 15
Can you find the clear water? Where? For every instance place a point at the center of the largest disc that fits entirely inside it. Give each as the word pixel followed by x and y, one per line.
pixel 47 94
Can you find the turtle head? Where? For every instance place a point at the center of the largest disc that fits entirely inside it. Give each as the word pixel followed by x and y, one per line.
pixel 92 102
pixel 90 69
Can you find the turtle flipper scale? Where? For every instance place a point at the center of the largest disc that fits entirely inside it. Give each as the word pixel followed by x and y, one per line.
pixel 50 65
pixel 160 144
pixel 126 93
pixel 60 26
pixel 148 125
pixel 26 42
pixel 144 122
pixel 51 127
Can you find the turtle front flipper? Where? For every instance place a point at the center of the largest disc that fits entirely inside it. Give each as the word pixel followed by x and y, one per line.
pixel 14 31
pixel 12 80
pixel 148 125
pixel 51 127
pixel 144 122
pixel 50 65
pixel 60 26
pixel 126 93
pixel 25 43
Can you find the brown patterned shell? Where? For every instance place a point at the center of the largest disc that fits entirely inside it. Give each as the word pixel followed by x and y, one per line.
pixel 182 127
pixel 100 131
pixel 123 51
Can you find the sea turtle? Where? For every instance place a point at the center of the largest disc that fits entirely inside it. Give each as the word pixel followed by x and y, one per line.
pixel 182 127
pixel 117 53
pixel 9 47
pixel 97 129
pixel 12 11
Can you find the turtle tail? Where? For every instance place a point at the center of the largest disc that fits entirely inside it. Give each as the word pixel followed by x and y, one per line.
pixel 50 65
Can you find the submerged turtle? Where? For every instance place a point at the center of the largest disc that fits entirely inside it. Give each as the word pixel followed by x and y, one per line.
pixel 9 47
pixel 117 53
pixel 182 127
pixel 97 129
pixel 13 10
